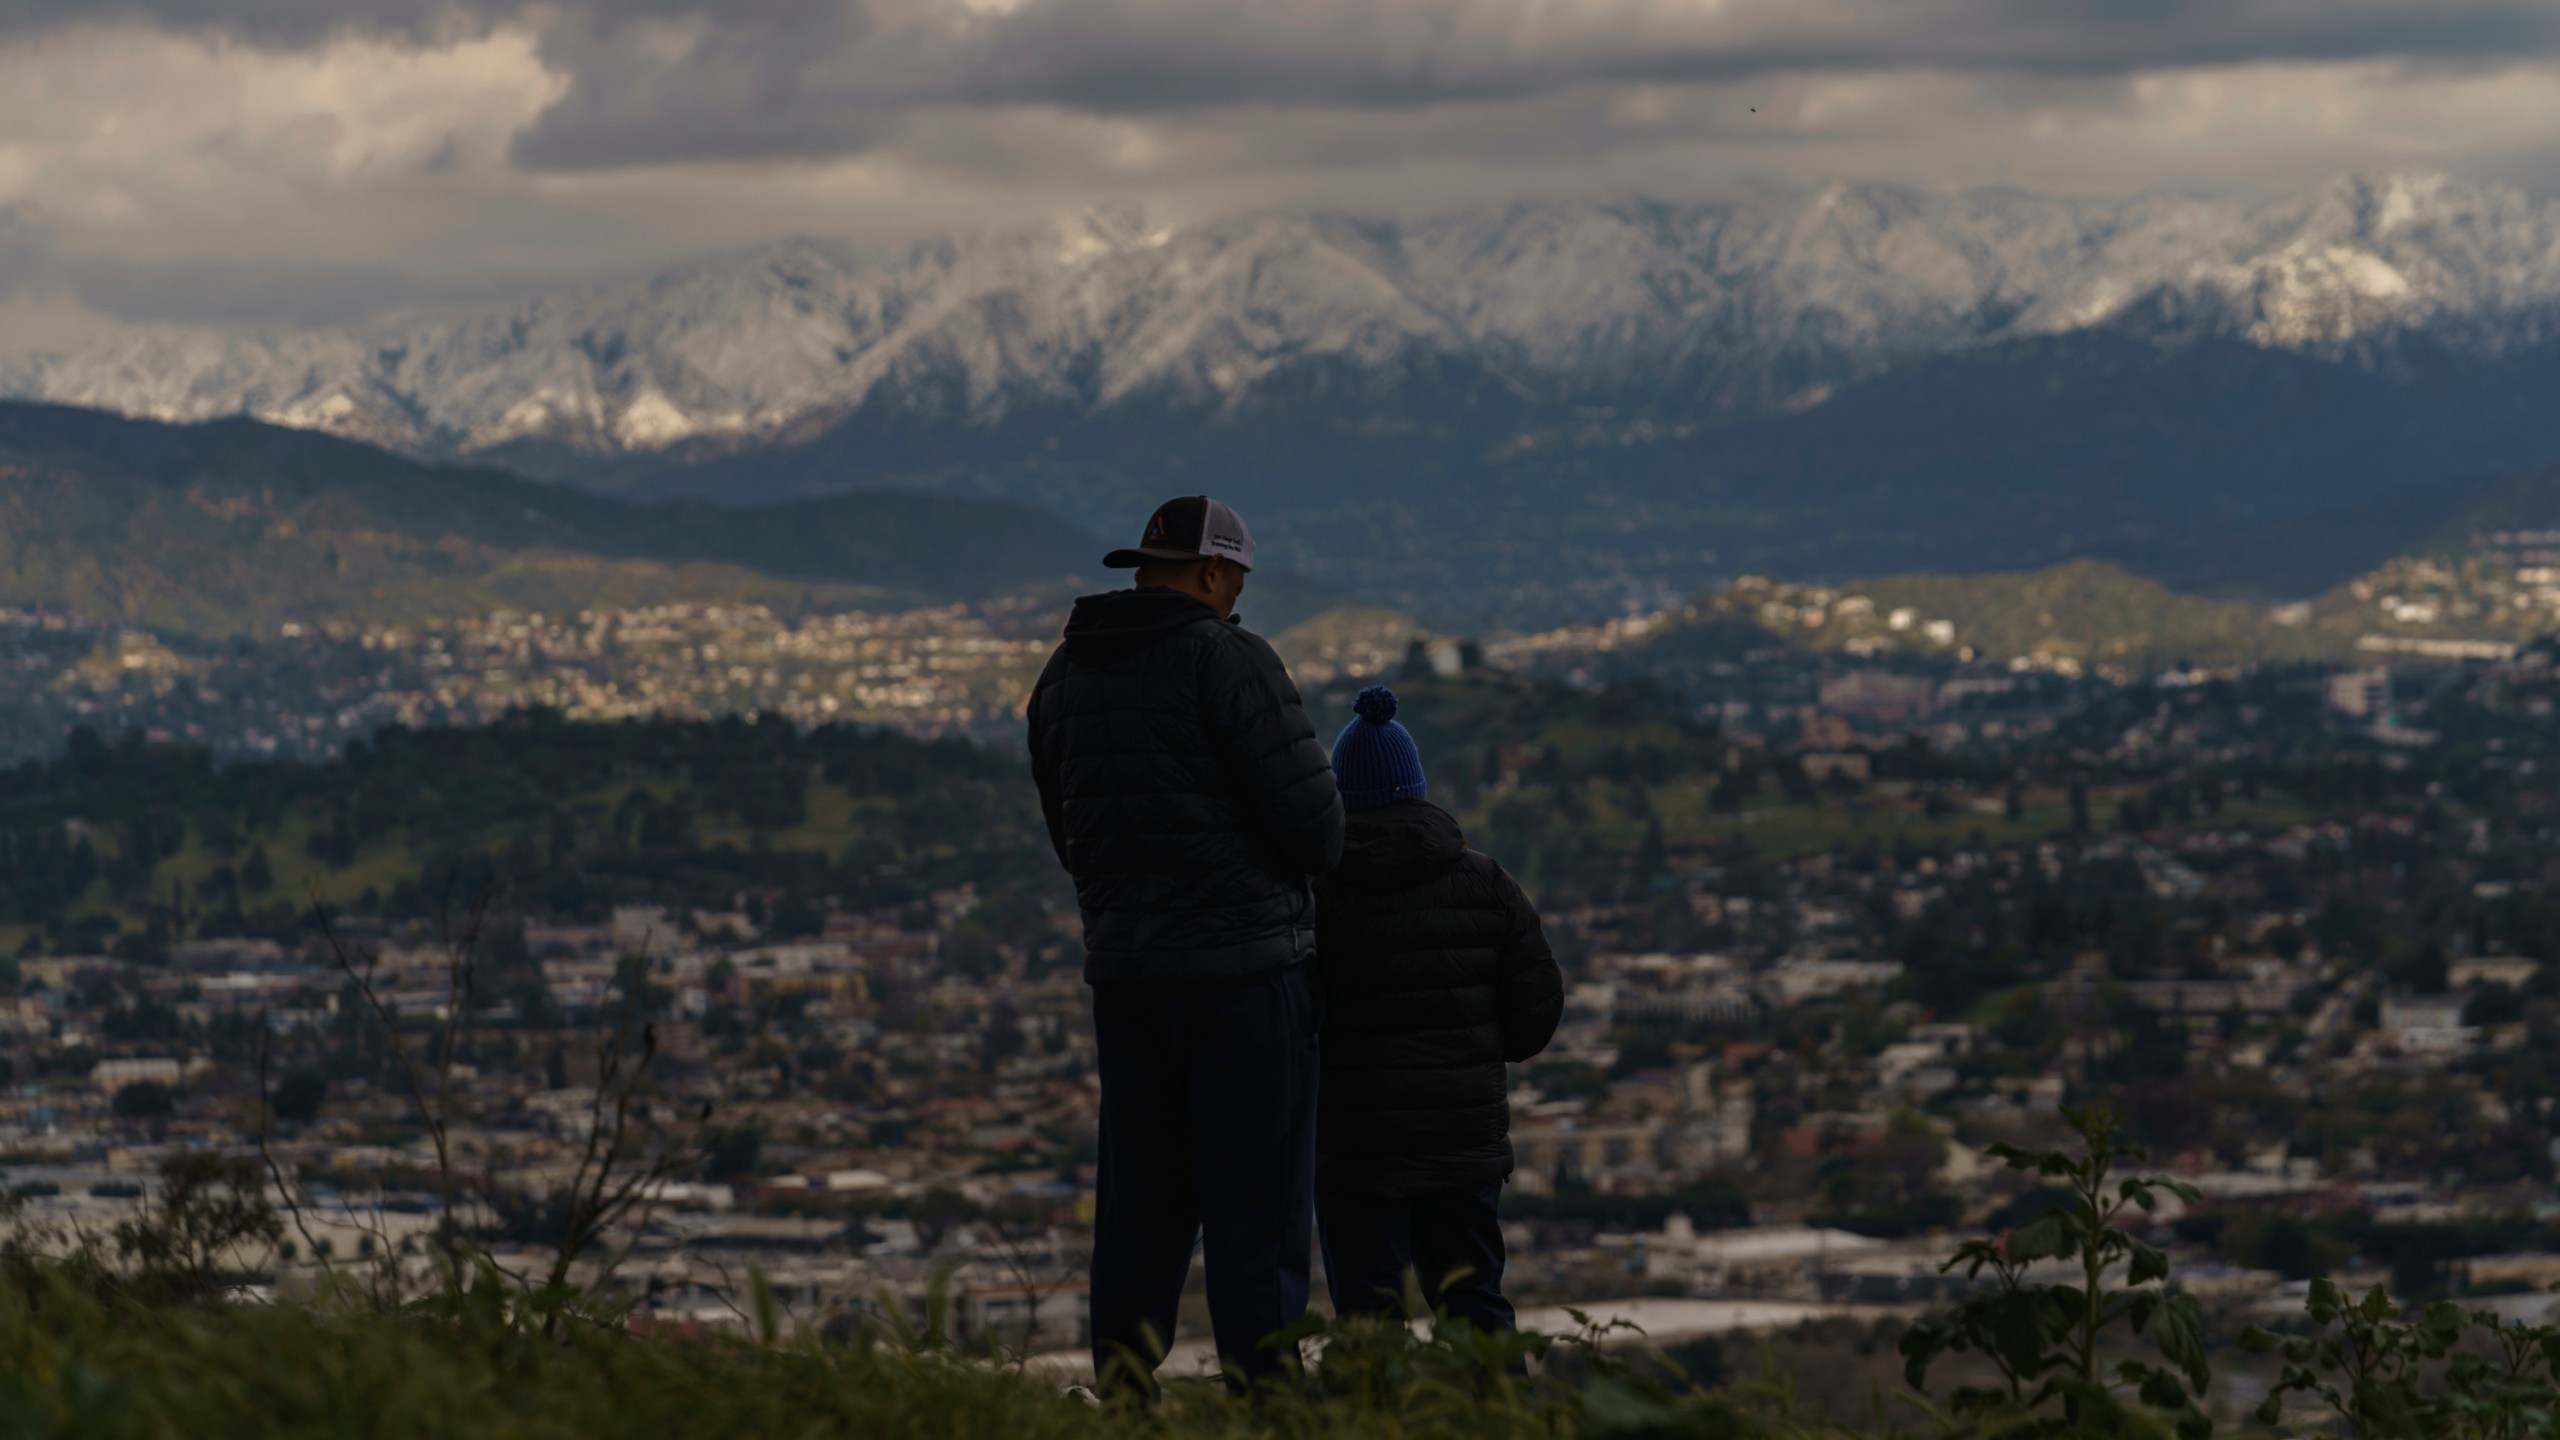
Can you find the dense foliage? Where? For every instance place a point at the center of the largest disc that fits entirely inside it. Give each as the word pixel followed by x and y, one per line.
pixel 566 820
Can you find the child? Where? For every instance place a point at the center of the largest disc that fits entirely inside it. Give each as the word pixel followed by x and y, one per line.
pixel 1435 973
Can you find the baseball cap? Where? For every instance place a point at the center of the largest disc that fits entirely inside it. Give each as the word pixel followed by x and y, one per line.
pixel 1193 527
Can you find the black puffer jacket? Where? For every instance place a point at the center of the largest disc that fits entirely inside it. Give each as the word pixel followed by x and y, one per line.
pixel 1435 973
pixel 1185 791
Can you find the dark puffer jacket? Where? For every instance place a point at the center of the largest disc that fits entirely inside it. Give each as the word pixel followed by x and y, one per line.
pixel 1435 972
pixel 1185 791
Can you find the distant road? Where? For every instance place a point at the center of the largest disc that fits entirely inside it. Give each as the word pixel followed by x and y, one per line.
pixel 1663 1321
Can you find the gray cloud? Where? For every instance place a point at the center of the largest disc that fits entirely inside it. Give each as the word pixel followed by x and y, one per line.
pixel 799 77
pixel 659 81
pixel 263 22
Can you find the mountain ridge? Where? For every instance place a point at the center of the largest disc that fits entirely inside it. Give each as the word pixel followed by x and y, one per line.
pixel 1695 312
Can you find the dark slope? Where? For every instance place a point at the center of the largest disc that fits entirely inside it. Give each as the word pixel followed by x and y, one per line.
pixel 1452 492
pixel 227 527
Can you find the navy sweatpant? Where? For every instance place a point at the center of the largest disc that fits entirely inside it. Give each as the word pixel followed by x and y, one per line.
pixel 1208 1133
pixel 1371 1241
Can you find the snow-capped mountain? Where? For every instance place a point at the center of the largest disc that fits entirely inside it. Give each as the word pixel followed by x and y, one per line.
pixel 1704 309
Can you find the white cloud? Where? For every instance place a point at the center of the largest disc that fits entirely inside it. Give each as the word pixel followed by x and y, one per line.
pixel 135 148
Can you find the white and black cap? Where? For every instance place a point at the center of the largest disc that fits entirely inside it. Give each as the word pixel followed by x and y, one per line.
pixel 1193 527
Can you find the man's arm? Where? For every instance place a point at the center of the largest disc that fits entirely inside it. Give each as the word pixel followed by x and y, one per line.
pixel 1044 768
pixel 1282 770
pixel 1529 993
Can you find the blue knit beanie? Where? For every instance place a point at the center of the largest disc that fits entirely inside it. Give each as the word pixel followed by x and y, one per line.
pixel 1375 761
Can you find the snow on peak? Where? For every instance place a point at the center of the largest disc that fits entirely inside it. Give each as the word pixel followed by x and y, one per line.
pixel 1749 304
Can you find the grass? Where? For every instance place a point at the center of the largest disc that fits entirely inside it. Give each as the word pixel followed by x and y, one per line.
pixel 299 875
pixel 70 1366
pixel 833 822
pixel 73 1364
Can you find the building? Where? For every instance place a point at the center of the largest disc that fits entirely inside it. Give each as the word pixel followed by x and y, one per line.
pixel 109 1076
pixel 2428 1024
pixel 1880 697
pixel 1769 1260
pixel 2365 693
pixel 2512 971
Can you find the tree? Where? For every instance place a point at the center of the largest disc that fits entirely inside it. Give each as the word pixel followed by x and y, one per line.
pixel 734 1153
pixel 1652 855
pixel 2493 1004
pixel 1020 1228
pixel 256 876
pixel 298 1097
pixel 935 1212
pixel 210 1214
pixel 145 1100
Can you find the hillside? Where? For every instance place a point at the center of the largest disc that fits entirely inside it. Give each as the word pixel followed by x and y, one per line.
pixel 235 527
pixel 2081 616
pixel 1444 491
pixel 2440 602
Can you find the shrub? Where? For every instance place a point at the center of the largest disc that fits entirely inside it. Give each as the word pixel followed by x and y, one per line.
pixel 145 1100
pixel 2443 1375
pixel 2045 1338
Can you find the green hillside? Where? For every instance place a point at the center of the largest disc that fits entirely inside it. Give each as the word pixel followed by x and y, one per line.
pixel 2088 615
pixel 232 528
pixel 2087 611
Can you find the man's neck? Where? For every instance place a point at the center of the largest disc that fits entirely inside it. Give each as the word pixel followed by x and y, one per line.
pixel 1193 594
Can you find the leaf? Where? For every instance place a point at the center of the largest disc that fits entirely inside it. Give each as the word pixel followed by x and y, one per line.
pixel 2179 1335
pixel 1922 1344
pixel 1977 1399
pixel 2258 1340
pixel 2101 1413
pixel 2047 1237
pixel 2138 1309
pixel 2441 1325
pixel 2149 1263
pixel 2161 1391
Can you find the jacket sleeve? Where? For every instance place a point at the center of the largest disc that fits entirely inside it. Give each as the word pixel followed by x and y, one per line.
pixel 1529 995
pixel 1282 772
pixel 1044 767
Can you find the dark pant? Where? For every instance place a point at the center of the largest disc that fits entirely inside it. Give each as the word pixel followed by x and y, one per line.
pixel 1208 1130
pixel 1371 1241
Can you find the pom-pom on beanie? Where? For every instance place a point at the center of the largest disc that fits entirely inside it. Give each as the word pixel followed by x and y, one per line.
pixel 1375 761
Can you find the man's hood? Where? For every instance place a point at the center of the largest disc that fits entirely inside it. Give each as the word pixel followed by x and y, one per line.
pixel 1397 844
pixel 1117 624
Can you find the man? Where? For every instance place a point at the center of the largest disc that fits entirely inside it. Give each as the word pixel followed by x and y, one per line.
pixel 1188 795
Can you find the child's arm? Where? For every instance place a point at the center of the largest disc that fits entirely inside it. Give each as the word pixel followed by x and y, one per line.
pixel 1529 995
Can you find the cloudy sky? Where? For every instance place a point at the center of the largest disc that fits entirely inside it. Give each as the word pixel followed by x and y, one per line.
pixel 296 161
